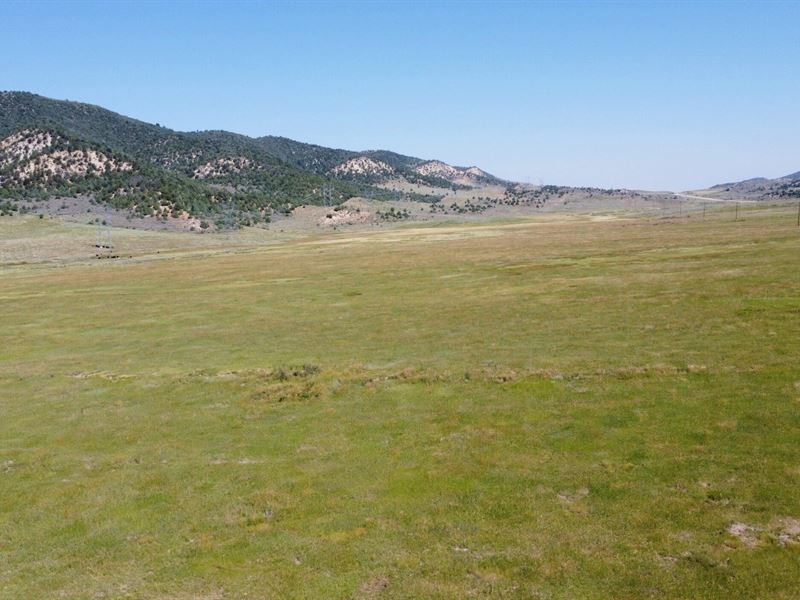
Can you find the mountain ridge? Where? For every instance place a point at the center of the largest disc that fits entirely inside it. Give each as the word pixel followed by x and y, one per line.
pixel 285 149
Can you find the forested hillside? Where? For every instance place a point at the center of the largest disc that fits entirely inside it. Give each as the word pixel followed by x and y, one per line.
pixel 51 148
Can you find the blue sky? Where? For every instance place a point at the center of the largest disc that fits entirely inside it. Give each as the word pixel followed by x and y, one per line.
pixel 642 95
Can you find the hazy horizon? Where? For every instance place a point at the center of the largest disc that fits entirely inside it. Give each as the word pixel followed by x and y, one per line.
pixel 667 96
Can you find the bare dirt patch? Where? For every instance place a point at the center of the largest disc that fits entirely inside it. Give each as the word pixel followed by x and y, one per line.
pixel 782 531
pixel 746 534
pixel 373 588
pixel 788 530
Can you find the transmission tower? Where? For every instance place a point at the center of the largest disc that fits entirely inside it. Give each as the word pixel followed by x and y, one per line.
pixel 327 194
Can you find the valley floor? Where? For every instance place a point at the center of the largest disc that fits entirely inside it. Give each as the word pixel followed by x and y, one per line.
pixel 571 406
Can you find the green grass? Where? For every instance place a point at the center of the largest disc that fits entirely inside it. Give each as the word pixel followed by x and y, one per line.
pixel 557 409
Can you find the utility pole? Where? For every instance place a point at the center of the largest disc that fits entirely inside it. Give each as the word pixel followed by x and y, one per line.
pixel 737 212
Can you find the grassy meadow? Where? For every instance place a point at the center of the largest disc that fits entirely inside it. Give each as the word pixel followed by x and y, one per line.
pixel 567 407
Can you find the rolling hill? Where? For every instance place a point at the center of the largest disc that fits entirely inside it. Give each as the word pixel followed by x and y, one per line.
pixel 757 188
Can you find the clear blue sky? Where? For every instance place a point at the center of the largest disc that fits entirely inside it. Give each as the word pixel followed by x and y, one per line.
pixel 657 96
